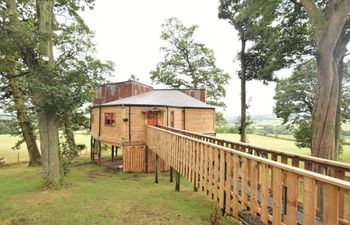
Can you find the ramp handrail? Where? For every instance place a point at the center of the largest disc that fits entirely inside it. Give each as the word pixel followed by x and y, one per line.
pixel 326 167
pixel 264 187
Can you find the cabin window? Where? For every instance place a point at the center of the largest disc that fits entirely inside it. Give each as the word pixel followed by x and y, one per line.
pixel 109 119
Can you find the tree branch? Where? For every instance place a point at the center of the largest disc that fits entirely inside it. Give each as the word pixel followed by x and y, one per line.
pixel 313 12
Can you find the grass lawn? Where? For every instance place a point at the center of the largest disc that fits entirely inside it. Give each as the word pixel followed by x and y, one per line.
pixel 98 196
pixel 279 144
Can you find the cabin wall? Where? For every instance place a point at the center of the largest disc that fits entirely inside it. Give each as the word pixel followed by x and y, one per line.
pixel 120 130
pixel 200 120
pixel 94 122
pixel 178 120
pixel 137 124
pixel 134 160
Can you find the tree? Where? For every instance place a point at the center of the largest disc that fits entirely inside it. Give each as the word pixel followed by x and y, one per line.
pixel 189 64
pixel 295 101
pixel 12 89
pixel 253 65
pixel 56 85
pixel 319 28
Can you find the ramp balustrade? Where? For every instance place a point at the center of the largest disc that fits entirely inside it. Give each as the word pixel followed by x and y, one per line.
pixel 246 179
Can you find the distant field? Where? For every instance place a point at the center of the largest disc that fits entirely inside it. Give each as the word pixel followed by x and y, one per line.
pixel 10 156
pixel 6 142
pixel 279 144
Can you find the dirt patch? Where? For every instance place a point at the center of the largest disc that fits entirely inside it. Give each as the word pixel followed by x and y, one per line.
pixel 133 177
pixel 20 221
pixel 94 174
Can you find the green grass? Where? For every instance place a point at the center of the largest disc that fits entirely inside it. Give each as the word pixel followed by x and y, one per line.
pixel 279 144
pixel 97 196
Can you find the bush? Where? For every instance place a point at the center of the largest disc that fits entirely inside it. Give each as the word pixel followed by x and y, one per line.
pixel 215 215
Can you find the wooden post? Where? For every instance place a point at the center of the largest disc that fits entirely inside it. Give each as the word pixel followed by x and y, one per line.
pixel 116 151
pixel 177 183
pixel 112 153
pixel 171 174
pixel 91 147
pixel 146 159
pixel 157 168
pixel 99 153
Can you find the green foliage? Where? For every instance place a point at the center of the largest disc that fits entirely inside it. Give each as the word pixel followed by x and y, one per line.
pixel 220 119
pixel 249 122
pixel 67 156
pixel 189 64
pixel 5 126
pixel 215 215
pixel 295 99
pixel 256 61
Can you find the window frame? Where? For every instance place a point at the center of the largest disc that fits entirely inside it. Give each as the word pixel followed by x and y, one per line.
pixel 109 116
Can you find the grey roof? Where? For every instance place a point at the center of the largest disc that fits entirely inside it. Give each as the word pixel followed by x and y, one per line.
pixel 172 98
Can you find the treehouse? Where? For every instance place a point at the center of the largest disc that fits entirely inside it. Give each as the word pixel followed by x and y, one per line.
pixel 121 112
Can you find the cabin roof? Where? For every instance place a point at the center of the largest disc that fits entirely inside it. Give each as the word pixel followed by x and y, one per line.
pixel 172 98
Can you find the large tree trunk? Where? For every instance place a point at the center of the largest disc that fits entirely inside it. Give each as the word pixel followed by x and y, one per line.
pixel 21 109
pixel 324 126
pixel 47 115
pixel 331 45
pixel 49 144
pixel 67 120
pixel 243 92
pixel 25 123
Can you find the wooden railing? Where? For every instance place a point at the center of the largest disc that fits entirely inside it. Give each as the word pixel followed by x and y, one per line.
pixel 326 167
pixel 240 181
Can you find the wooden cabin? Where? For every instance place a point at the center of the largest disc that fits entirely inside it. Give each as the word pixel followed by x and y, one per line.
pixel 122 122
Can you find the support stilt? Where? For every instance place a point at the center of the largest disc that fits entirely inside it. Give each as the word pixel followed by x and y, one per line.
pixel 157 168
pixel 112 153
pixel 171 174
pixel 177 181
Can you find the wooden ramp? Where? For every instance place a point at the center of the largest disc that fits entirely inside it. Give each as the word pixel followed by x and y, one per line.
pixel 275 187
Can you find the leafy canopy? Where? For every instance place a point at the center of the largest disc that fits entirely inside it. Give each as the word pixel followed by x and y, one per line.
pixel 295 101
pixel 189 64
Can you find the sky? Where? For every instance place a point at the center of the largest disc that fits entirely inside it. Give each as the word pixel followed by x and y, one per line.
pixel 128 34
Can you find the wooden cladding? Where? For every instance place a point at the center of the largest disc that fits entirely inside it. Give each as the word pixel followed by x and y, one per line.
pixel 276 193
pixel 134 160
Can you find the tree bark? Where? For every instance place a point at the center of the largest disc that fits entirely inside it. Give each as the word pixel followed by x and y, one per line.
pixel 329 29
pixel 324 129
pixel 25 123
pixel 67 120
pixel 47 117
pixel 243 92
pixel 19 100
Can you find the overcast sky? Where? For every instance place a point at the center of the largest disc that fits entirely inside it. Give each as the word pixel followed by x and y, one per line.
pixel 128 33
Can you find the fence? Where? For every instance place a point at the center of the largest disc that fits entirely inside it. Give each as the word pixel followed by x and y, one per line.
pixel 275 192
